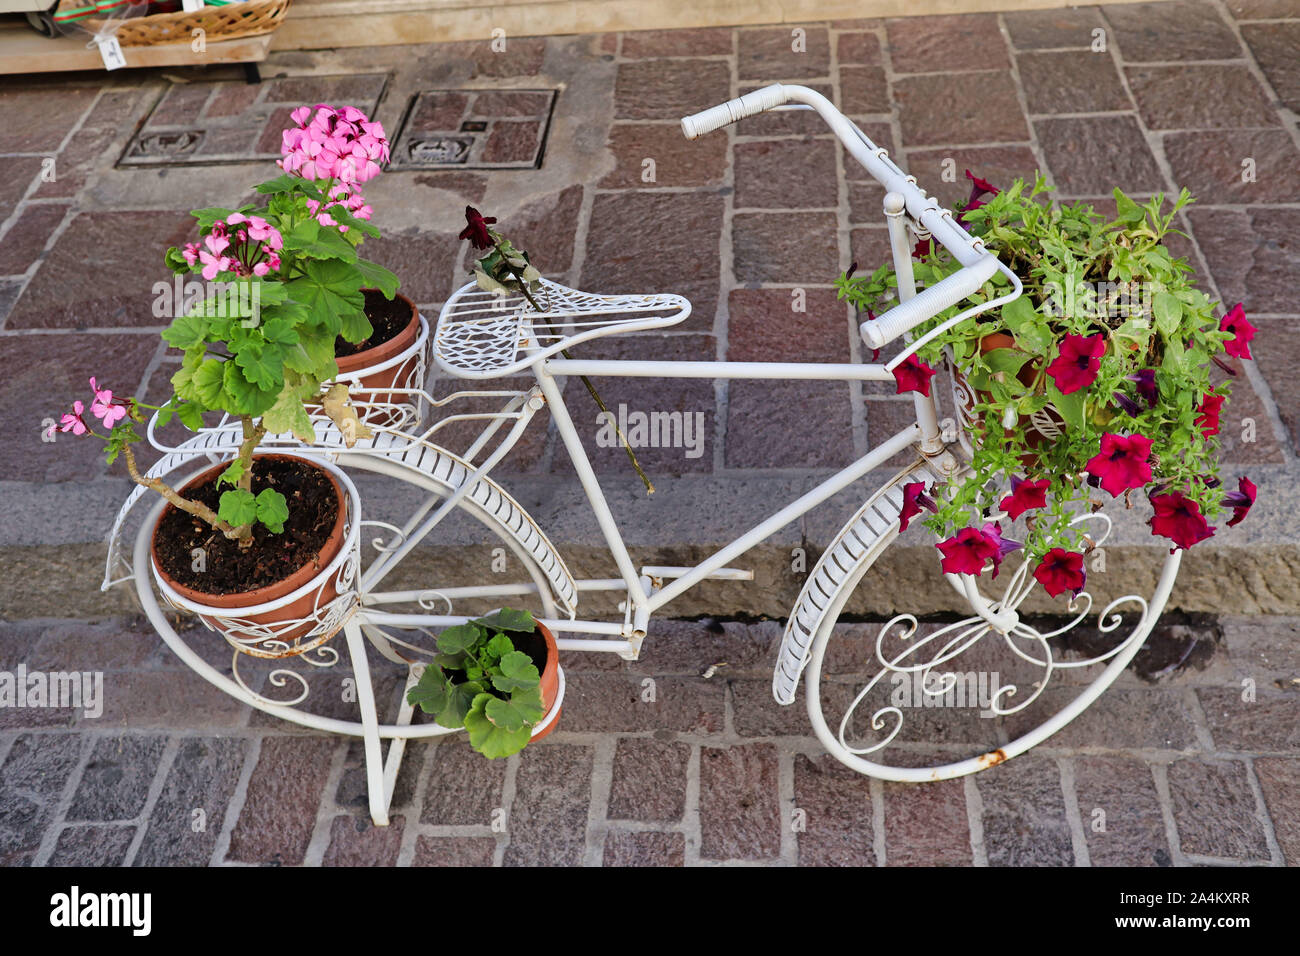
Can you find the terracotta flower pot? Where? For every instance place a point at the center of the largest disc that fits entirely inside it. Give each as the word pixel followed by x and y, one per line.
pixel 395 376
pixel 1033 436
pixel 550 685
pixel 227 606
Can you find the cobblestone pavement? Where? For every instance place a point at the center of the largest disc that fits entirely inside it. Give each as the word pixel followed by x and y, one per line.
pixel 1200 764
pixel 655 763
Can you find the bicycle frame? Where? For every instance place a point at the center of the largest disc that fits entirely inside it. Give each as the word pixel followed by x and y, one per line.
pixel 903 199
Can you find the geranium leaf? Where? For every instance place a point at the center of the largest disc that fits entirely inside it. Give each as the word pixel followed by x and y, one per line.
pixel 517 672
pixel 508 619
pixel 272 510
pixel 237 508
pixel 489 739
pixel 242 396
pixel 522 710
pixel 431 693
pixel 377 277
pixel 459 701
pixel 186 331
pixel 458 639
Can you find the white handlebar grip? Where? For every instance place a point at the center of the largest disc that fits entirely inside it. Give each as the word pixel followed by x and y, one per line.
pixel 716 117
pixel 927 303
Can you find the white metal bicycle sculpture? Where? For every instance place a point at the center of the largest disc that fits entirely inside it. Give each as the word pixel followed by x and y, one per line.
pixel 481 336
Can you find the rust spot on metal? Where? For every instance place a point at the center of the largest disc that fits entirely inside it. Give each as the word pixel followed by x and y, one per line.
pixel 993 758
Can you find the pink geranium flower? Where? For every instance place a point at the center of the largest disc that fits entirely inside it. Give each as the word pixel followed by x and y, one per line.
pixel 913 375
pixel 1077 365
pixel 74 422
pixel 1061 571
pixel 967 552
pixel 333 143
pixel 1179 519
pixel 104 408
pixel 1122 463
pixel 1236 323
pixel 1025 496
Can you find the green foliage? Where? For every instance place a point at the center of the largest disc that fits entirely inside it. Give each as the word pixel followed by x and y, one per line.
pixel 261 347
pixel 1082 275
pixel 479 681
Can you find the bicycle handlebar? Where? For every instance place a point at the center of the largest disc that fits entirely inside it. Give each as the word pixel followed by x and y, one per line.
pixel 928 302
pixel 978 263
pixel 751 104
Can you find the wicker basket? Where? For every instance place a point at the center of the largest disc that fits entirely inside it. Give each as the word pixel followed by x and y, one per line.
pixel 246 19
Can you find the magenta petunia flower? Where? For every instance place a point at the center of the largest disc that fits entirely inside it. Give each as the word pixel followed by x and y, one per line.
pixel 1122 462
pixel 914 499
pixel 1061 571
pixel 1025 496
pixel 1179 519
pixel 1241 500
pixel 1208 420
pixel 1236 323
pixel 1003 546
pixel 967 551
pixel 1077 365
pixel 978 188
pixel 913 376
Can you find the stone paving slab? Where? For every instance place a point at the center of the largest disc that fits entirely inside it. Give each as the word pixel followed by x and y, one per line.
pixel 1190 759
pixel 1194 766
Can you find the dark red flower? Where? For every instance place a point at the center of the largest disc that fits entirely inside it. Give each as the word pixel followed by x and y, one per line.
pixel 1146 383
pixel 476 229
pixel 1179 519
pixel 914 499
pixel 913 376
pixel 978 188
pixel 1122 462
pixel 1003 546
pixel 1236 323
pixel 921 249
pixel 1025 496
pixel 1240 501
pixel 1077 365
pixel 1208 420
pixel 966 552
pixel 1061 571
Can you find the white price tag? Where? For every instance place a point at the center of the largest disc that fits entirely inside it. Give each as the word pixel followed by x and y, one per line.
pixel 192 6
pixel 111 52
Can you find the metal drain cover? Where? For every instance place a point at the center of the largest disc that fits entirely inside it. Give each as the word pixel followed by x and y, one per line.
pixel 474 129
pixel 229 121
